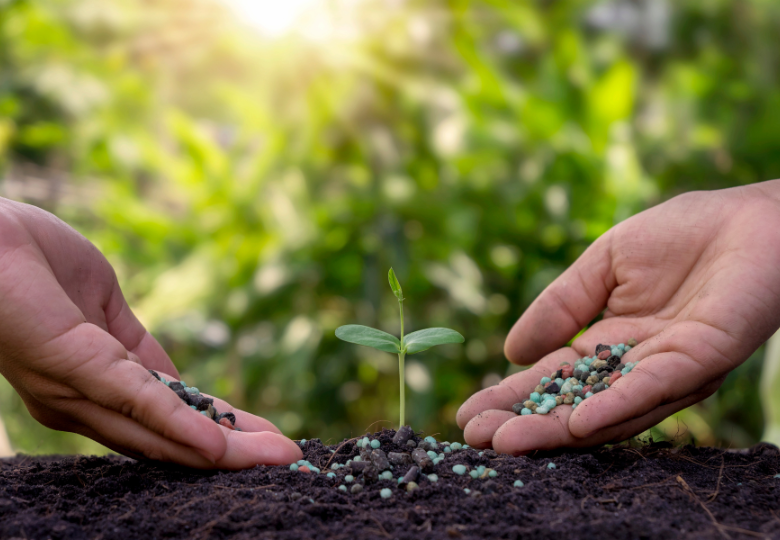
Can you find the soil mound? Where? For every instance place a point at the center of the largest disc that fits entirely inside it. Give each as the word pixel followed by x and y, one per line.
pixel 653 492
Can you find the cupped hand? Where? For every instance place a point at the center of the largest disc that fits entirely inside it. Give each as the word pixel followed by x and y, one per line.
pixel 695 280
pixel 79 358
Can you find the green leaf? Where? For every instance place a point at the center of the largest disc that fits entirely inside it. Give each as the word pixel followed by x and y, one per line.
pixel 370 337
pixel 395 285
pixel 430 337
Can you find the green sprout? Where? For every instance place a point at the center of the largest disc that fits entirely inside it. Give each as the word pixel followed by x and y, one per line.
pixel 415 342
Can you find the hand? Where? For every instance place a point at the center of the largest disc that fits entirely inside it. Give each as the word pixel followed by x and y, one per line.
pixel 695 280
pixel 78 357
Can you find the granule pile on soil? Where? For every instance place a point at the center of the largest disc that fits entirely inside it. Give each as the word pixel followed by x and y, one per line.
pixel 655 491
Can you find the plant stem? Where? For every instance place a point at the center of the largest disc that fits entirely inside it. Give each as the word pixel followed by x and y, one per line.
pixel 401 309
pixel 403 386
pixel 401 357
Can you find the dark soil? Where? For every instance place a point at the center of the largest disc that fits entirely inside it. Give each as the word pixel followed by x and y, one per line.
pixel 618 492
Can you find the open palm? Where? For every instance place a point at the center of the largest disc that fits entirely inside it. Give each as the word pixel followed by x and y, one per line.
pixel 72 348
pixel 695 280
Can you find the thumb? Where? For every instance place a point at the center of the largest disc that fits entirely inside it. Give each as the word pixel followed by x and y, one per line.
pixel 123 325
pixel 565 306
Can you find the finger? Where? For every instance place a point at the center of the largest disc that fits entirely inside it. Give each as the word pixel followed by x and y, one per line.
pixel 96 365
pixel 524 434
pixel 515 388
pixel 245 450
pixel 128 330
pixel 480 429
pixel 111 429
pixel 128 437
pixel 565 307
pixel 679 361
pixel 244 420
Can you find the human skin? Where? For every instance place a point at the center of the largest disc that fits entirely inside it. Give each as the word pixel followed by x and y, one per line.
pixel 79 358
pixel 695 280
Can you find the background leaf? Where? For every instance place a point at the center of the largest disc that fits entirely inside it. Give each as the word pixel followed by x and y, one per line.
pixel 250 212
pixel 370 337
pixel 430 337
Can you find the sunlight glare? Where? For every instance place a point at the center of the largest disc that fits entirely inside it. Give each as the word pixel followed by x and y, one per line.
pixel 272 17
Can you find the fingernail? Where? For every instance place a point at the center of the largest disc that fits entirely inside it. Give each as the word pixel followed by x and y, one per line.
pixel 206 455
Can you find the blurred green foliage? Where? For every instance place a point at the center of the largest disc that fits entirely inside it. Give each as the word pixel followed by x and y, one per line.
pixel 251 192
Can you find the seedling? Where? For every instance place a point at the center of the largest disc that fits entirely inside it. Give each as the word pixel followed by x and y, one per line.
pixel 415 342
